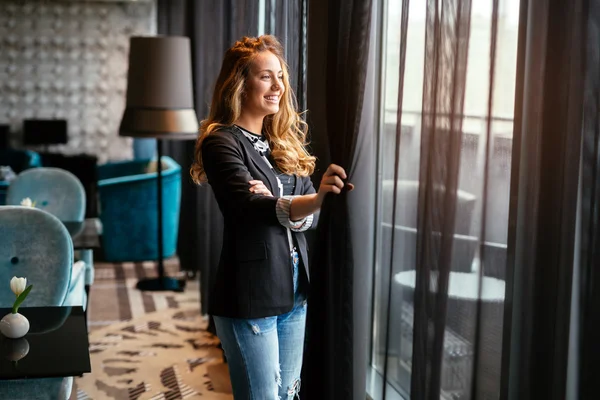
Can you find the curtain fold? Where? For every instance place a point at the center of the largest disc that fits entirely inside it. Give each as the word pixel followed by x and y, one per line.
pixel 362 204
pixel 328 364
pixel 589 284
pixel 287 20
pixel 446 50
pixel 546 158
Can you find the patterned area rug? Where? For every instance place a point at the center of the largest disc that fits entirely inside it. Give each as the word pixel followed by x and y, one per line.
pixel 163 355
pixel 149 345
pixel 114 298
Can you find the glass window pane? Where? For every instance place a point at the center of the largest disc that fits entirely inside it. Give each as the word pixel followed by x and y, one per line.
pixel 396 258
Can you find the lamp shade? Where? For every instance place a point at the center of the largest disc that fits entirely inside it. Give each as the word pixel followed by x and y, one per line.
pixel 159 89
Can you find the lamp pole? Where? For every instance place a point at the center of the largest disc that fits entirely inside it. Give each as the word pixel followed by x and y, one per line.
pixel 160 105
pixel 162 282
pixel 159 201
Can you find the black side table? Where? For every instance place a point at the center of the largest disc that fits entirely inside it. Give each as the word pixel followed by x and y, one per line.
pixel 56 346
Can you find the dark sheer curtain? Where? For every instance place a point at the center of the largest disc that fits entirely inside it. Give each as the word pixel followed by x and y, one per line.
pixel 446 48
pixel 343 36
pixel 546 168
pixel 288 21
pixel 589 283
pixel 440 324
pixel 213 26
pixel 468 339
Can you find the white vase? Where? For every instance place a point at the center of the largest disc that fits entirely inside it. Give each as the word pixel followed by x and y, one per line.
pixel 14 326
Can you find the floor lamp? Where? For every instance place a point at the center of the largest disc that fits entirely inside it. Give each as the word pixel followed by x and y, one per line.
pixel 160 105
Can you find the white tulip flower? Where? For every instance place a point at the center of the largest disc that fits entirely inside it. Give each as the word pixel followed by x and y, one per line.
pixel 18 285
pixel 26 202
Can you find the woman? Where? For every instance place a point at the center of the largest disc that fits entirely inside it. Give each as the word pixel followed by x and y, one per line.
pixel 251 150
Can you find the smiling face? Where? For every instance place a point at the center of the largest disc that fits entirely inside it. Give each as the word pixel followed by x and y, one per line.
pixel 264 86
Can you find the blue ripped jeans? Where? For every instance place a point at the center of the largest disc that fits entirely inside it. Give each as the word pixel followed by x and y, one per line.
pixel 265 354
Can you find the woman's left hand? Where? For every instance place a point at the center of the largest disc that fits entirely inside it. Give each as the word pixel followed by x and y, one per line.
pixel 258 187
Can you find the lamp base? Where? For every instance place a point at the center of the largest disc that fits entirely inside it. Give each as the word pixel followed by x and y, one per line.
pixel 161 284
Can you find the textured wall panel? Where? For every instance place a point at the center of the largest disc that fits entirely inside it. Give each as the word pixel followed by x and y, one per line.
pixel 69 60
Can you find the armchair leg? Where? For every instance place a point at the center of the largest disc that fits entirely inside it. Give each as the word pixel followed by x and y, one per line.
pixel 87 296
pixel 87 302
pixel 87 256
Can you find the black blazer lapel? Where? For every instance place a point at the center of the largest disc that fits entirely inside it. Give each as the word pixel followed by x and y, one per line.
pixel 258 161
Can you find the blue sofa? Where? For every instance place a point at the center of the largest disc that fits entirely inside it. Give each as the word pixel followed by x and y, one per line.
pixel 128 209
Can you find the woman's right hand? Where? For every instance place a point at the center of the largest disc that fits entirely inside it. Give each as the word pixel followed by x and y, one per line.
pixel 331 182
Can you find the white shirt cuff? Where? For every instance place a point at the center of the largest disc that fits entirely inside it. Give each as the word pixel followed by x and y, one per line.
pixel 283 215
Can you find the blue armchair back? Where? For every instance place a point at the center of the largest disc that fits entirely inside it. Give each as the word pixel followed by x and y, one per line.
pixel 128 209
pixel 18 160
pixel 35 245
pixel 54 190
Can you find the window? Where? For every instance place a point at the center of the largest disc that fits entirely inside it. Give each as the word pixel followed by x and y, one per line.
pixel 394 278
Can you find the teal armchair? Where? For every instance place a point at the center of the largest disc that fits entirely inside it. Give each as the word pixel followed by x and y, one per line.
pixel 37 246
pixel 128 209
pixel 53 190
pixel 18 161
pixel 60 193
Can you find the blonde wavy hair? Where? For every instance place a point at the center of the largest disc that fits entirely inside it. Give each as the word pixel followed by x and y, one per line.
pixel 285 130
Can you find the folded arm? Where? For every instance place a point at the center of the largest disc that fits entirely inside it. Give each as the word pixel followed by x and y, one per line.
pixel 297 224
pixel 229 177
pixel 300 211
pixel 230 180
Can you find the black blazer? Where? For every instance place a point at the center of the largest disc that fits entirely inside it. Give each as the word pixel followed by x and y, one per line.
pixel 254 278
